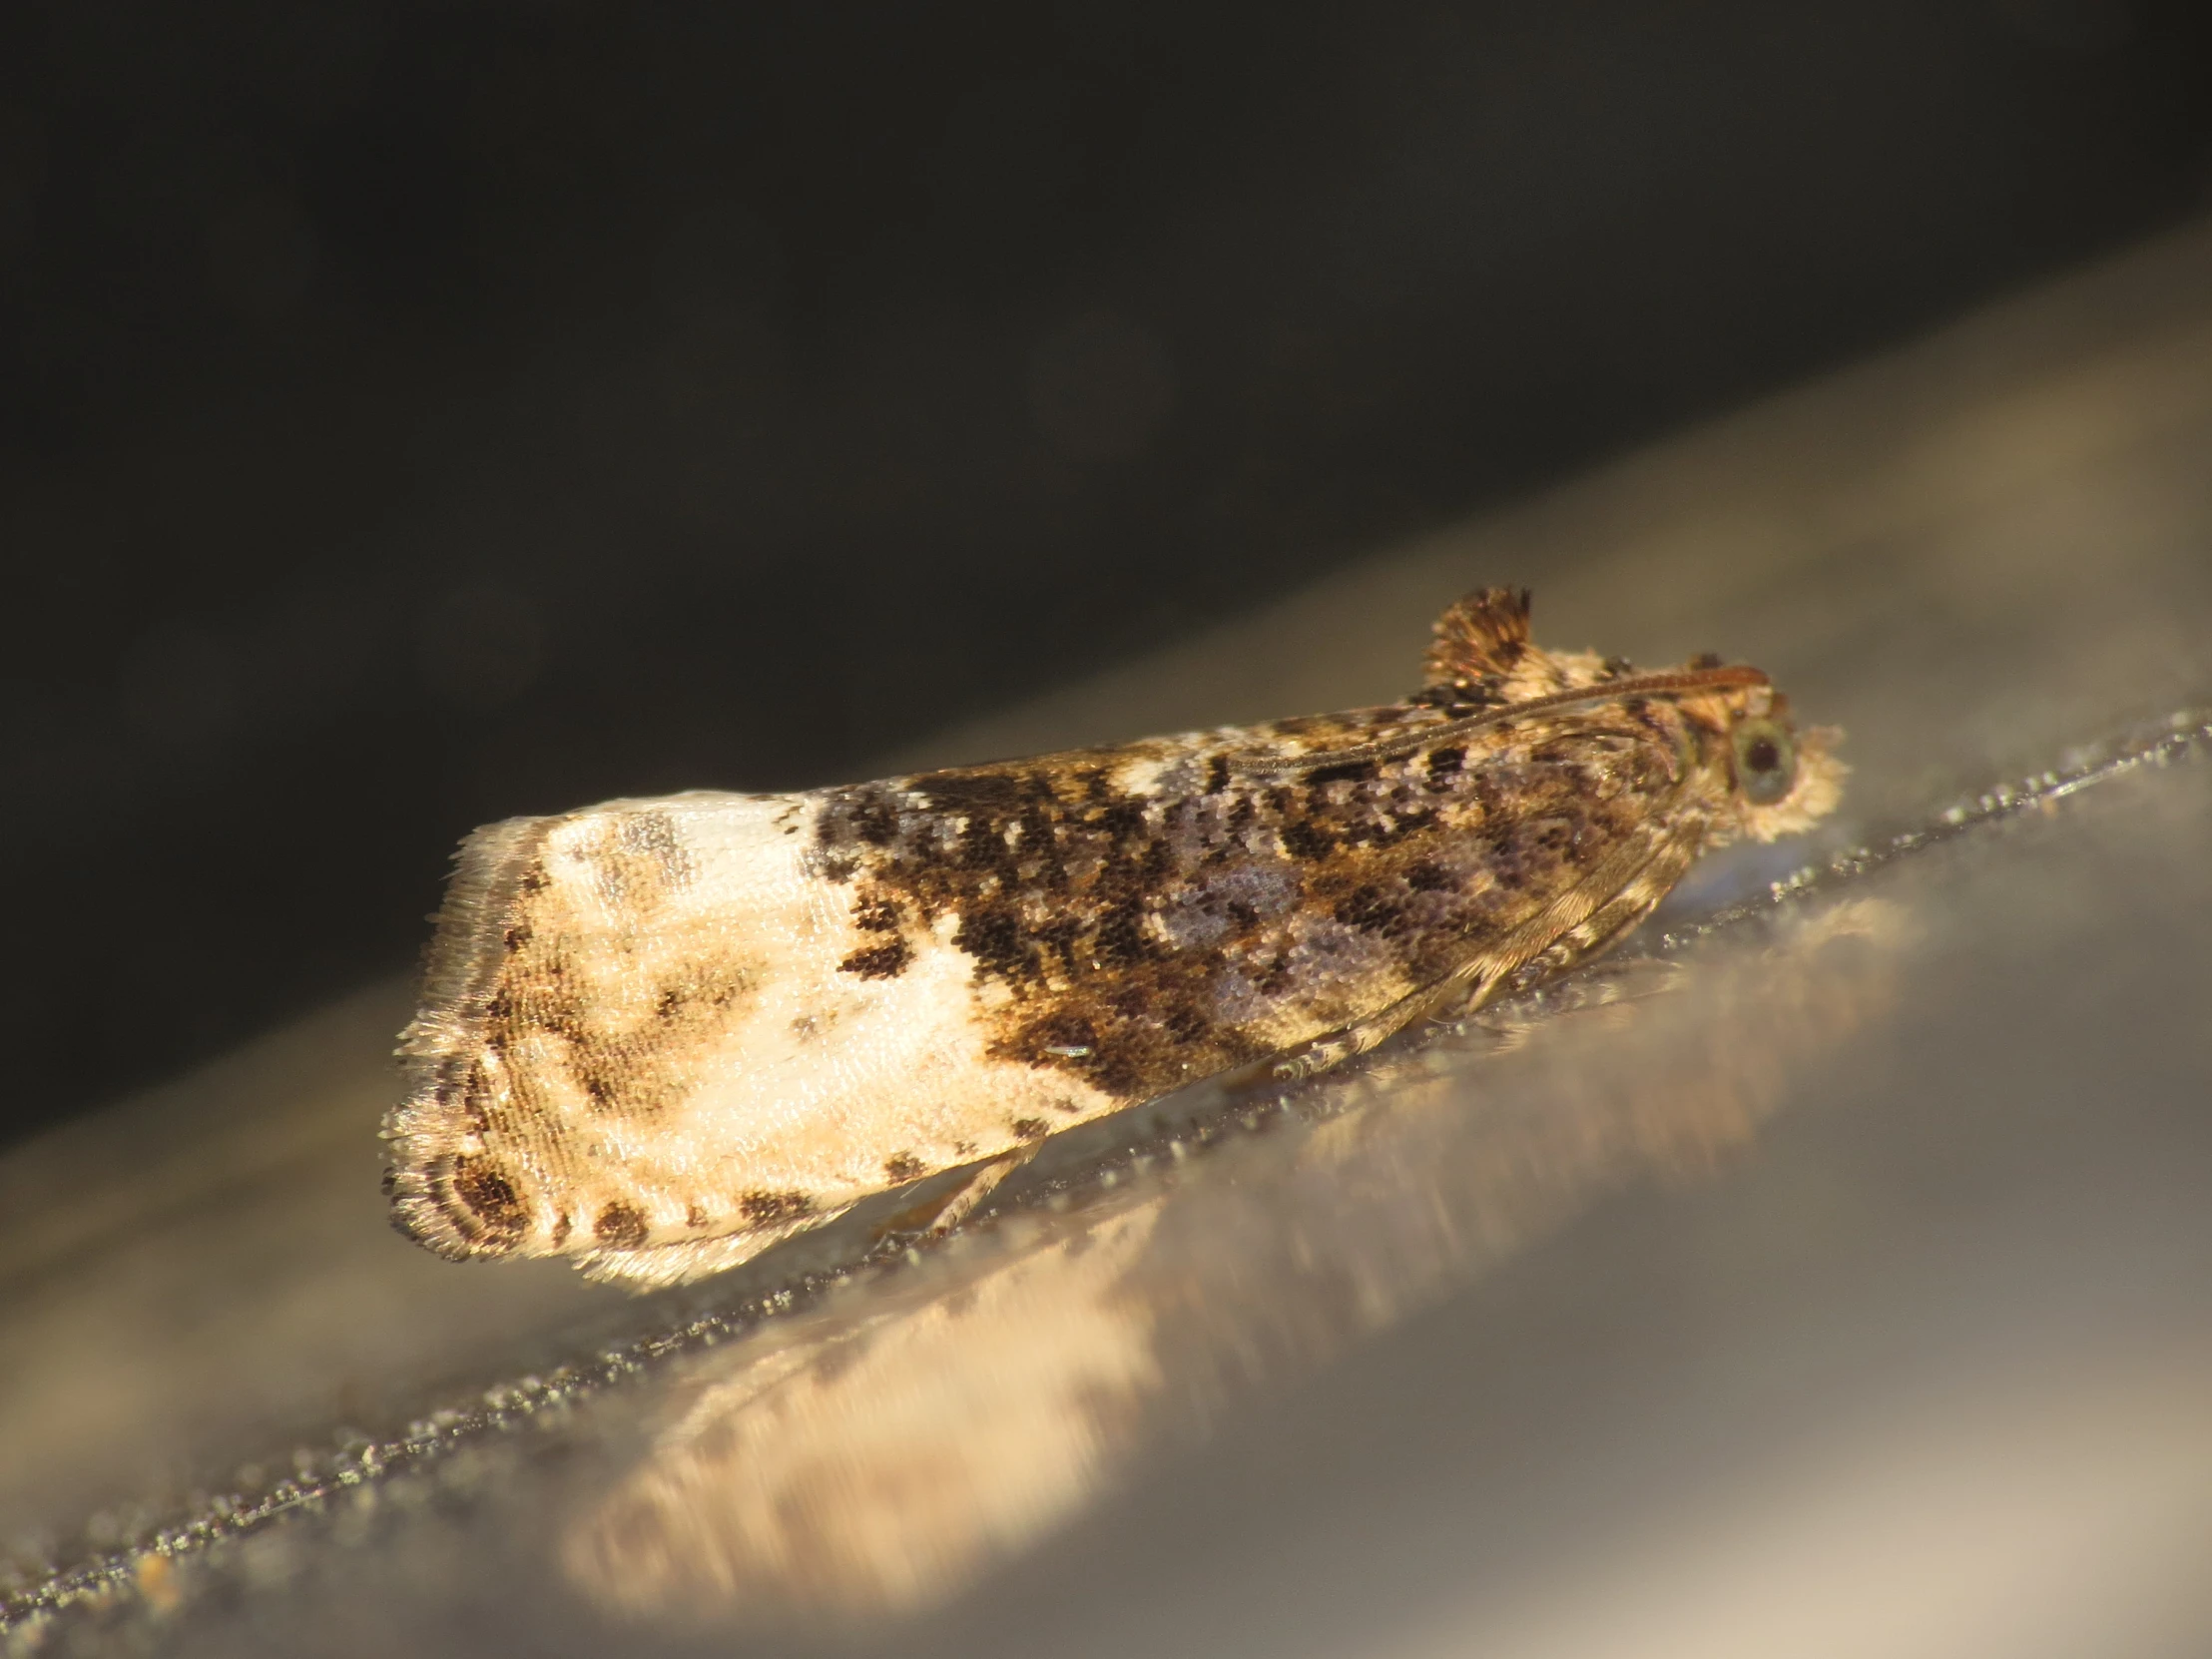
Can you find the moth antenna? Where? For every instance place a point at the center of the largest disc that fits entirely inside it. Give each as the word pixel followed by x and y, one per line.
pixel 1672 681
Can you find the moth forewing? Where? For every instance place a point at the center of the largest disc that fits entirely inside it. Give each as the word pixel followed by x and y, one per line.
pixel 660 1035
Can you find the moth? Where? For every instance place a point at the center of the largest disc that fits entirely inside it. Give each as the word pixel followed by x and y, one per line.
pixel 660 1035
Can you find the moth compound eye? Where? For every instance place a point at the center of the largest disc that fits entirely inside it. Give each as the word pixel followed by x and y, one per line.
pixel 1766 761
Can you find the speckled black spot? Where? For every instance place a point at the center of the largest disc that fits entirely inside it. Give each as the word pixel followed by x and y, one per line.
pixel 993 936
pixel 1370 906
pixel 763 1208
pixel 1466 697
pixel 883 961
pixel 476 1095
pixel 620 1227
pixel 877 915
pixel 903 1167
pixel 876 823
pixel 1344 772
pixel 488 1193
pixel 696 1217
pixel 1186 1021
pixel 1121 934
pixel 1030 1129
pixel 971 792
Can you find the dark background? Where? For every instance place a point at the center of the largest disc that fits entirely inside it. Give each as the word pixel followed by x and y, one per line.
pixel 415 415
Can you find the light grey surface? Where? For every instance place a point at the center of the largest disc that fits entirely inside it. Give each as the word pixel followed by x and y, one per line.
pixel 1844 1288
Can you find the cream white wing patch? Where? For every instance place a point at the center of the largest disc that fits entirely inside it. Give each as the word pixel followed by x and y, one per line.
pixel 650 1024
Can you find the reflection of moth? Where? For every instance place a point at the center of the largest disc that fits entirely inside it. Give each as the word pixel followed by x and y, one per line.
pixel 879 1468
pixel 876 1457
pixel 660 1035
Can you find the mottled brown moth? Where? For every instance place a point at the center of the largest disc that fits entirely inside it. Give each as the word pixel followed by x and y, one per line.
pixel 660 1035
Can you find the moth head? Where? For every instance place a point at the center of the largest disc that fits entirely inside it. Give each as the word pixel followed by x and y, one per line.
pixel 1784 780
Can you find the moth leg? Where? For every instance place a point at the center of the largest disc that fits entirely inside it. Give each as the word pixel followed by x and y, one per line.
pixel 1511 1023
pixel 1326 1054
pixel 936 1217
pixel 980 1186
pixel 1580 946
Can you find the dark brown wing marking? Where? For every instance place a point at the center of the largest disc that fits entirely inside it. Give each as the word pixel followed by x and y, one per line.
pixel 1153 936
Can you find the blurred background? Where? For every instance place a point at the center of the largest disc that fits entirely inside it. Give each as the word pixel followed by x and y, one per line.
pixel 414 415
